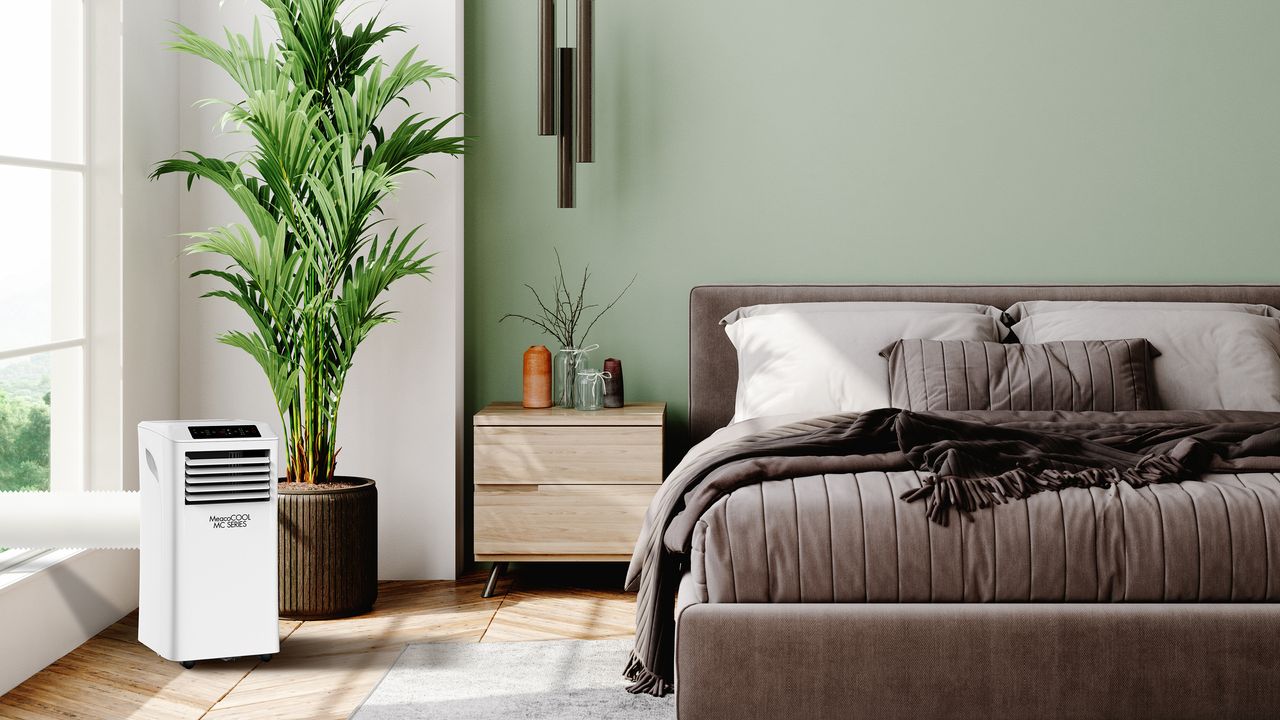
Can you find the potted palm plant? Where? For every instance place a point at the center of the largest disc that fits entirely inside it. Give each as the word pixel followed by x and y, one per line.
pixel 311 265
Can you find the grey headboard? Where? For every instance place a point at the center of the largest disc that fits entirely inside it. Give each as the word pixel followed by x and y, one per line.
pixel 713 365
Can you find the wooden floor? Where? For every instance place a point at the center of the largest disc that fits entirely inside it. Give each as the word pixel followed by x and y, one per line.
pixel 325 669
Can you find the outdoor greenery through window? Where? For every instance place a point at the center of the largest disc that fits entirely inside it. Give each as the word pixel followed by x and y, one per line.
pixel 24 423
pixel 43 346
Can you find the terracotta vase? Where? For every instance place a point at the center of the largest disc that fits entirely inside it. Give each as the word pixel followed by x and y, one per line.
pixel 537 377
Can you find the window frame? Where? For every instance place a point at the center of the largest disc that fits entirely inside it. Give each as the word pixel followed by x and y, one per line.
pixel 93 29
pixel 17 556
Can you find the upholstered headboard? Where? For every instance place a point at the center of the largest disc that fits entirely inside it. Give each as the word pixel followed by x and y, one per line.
pixel 713 365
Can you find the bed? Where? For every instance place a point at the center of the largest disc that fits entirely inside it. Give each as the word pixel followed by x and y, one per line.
pixel 812 589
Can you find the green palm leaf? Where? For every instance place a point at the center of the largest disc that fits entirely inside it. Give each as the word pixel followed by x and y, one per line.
pixel 310 268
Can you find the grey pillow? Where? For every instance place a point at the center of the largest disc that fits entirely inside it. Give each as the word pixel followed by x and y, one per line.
pixel 1029 308
pixel 1107 375
pixel 1209 360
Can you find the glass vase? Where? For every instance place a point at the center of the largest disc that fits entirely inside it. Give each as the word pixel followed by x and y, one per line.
pixel 564 374
pixel 590 392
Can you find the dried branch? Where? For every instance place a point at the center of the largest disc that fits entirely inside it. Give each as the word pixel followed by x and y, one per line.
pixel 548 321
pixel 606 307
pixel 562 317
pixel 565 307
pixel 582 292
pixel 533 321
pixel 546 312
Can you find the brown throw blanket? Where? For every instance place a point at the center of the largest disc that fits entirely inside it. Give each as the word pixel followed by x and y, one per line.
pixel 974 460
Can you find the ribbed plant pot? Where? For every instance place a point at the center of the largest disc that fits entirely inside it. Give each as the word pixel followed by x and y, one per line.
pixel 328 549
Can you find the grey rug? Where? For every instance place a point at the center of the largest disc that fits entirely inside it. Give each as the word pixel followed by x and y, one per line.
pixel 560 679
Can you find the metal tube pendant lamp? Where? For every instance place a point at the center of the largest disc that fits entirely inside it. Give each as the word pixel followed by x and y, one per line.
pixel 546 67
pixel 586 63
pixel 565 166
pixel 566 85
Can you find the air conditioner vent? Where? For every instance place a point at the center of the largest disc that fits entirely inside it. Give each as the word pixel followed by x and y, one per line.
pixel 227 476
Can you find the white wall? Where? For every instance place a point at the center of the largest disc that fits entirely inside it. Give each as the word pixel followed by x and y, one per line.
pixel 149 216
pixel 50 606
pixel 401 415
pixel 57 602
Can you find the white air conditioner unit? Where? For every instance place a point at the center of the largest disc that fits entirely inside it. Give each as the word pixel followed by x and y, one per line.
pixel 208 540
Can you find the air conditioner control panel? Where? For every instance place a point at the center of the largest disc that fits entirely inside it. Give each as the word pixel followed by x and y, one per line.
pixel 223 432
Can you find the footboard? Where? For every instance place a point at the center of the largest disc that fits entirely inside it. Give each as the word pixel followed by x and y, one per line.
pixel 997 661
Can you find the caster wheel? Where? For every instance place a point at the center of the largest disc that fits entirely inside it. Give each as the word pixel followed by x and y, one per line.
pixel 188 664
pixel 265 658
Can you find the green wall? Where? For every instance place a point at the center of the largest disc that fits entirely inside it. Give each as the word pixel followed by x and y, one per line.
pixel 869 140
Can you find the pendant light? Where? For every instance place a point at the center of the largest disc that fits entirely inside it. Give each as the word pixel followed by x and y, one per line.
pixel 566 84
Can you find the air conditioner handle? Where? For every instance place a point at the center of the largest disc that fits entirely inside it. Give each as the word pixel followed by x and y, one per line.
pixel 151 465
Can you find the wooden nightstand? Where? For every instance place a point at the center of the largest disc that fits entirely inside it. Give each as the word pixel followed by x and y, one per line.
pixel 561 484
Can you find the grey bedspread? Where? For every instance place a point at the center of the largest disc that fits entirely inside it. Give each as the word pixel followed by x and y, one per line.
pixel 815 511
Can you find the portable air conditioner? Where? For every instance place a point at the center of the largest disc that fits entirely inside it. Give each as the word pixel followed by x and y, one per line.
pixel 207 540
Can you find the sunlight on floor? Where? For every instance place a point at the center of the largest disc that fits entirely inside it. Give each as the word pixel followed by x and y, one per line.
pixel 325 669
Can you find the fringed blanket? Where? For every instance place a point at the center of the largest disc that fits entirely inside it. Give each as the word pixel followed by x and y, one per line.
pixel 972 461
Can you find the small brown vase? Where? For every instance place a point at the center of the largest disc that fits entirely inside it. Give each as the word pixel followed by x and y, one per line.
pixel 537 377
pixel 328 549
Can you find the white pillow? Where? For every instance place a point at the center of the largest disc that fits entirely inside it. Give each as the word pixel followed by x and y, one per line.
pixel 829 362
pixel 856 306
pixel 1209 359
pixel 1027 308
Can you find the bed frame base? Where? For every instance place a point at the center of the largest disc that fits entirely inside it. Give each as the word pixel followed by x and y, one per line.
pixel 996 661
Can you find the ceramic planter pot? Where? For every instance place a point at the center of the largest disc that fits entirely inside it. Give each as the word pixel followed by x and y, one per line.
pixel 328 549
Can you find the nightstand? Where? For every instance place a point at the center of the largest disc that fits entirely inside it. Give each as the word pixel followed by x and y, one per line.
pixel 561 484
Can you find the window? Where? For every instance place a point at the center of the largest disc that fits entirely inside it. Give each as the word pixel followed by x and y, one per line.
pixel 59 217
pixel 44 194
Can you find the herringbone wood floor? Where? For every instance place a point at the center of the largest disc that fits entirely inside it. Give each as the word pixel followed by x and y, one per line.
pixel 325 668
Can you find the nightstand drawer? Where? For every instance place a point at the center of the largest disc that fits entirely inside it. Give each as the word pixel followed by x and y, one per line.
pixel 568 455
pixel 557 520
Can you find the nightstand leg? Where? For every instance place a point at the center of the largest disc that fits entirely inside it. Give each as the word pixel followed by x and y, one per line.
pixel 498 568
